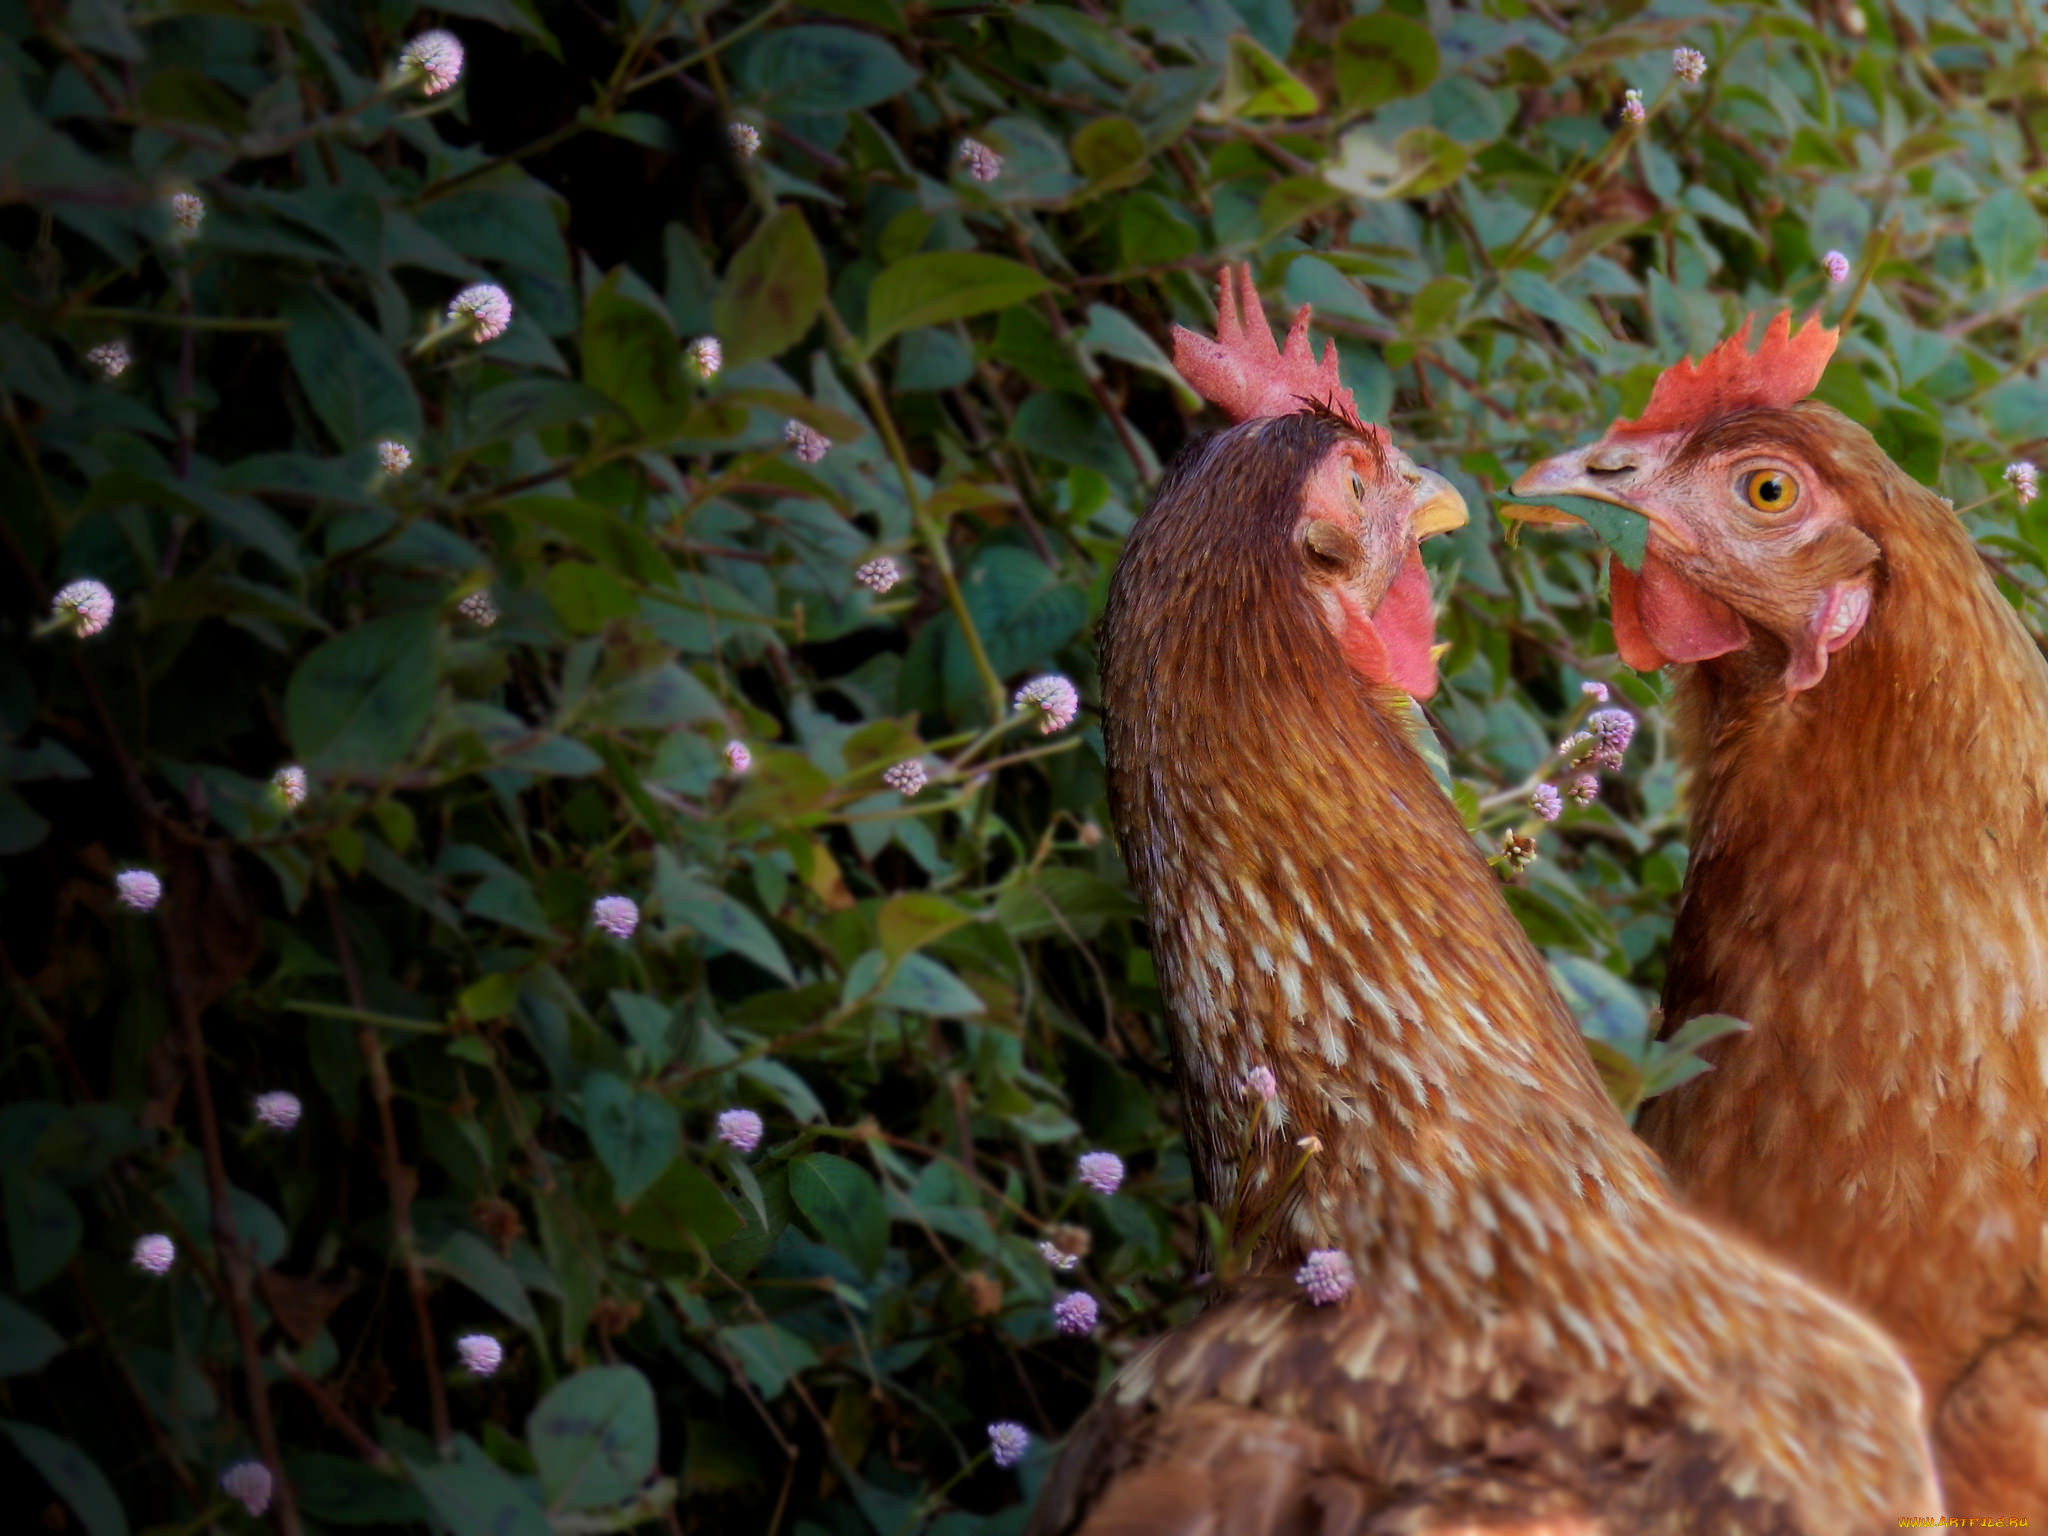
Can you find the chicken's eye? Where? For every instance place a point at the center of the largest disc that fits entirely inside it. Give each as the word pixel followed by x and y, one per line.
pixel 1770 490
pixel 1358 490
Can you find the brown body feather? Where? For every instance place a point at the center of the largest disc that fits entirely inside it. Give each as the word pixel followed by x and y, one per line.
pixel 1868 889
pixel 1539 1342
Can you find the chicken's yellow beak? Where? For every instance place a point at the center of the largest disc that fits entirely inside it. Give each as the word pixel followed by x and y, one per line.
pixel 1610 472
pixel 1548 517
pixel 1438 506
pixel 1562 474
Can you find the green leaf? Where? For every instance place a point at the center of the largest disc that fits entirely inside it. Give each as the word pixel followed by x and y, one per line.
pixel 1420 161
pixel 351 378
pixel 342 1491
pixel 396 821
pixel 490 998
pixel 1071 430
pixel 506 14
pixel 773 289
pixel 1381 57
pixel 559 757
pixel 243 519
pixel 584 597
pixel 531 405
pixel 914 918
pixel 473 1493
pixel 44 1229
pixel 27 1343
pixel 933 287
pixel 1112 333
pixel 817 70
pixel 770 1355
pixel 74 1476
pixel 1110 152
pixel 636 1135
pixel 1540 297
pixel 649 1022
pixel 922 985
pixel 2006 232
pixel 1703 1029
pixel 476 1264
pixel 1150 229
pixel 616 543
pixel 631 354
pixel 1435 306
pixel 1709 204
pixel 1255 84
pixel 681 1209
pixel 1294 199
pixel 190 96
pixel 689 902
pixel 1058 900
pixel 783 787
pixel 509 900
pixel 660 699
pixel 1621 529
pixel 206 597
pixel 595 1438
pixel 841 1201
pixel 20 827
pixel 361 700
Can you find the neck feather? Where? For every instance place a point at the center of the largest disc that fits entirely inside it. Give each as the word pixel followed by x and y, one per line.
pixel 1319 909
pixel 1937 711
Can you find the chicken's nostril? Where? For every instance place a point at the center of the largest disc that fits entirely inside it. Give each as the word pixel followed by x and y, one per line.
pixel 1613 462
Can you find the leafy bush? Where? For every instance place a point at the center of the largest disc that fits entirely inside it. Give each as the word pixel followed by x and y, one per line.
pixel 934 1001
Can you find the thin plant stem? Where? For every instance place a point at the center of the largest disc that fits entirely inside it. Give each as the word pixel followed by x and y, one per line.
pixel 397 1178
pixel 332 1411
pixel 227 1239
pixel 178 318
pixel 1869 270
pixel 929 530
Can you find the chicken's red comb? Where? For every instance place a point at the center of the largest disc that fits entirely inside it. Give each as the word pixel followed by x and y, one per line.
pixel 1781 372
pixel 1243 371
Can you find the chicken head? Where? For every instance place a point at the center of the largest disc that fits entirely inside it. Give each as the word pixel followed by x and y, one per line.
pixel 1748 489
pixel 1359 505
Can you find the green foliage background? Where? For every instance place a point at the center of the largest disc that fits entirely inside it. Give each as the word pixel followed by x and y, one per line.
pixel 936 1004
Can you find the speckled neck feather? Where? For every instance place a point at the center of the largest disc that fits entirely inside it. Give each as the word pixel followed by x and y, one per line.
pixel 1869 888
pixel 1319 909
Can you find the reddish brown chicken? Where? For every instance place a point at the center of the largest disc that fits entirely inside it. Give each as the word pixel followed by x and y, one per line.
pixel 1866 721
pixel 1538 1340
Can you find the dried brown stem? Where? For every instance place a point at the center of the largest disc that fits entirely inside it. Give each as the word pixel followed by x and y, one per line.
pixel 157 1437
pixel 397 1177
pixel 333 1412
pixel 232 1257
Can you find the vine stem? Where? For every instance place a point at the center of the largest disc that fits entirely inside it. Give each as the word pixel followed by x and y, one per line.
pixel 333 1412
pixel 165 1451
pixel 395 1172
pixel 1869 267
pixel 183 318
pixel 932 534
pixel 227 1240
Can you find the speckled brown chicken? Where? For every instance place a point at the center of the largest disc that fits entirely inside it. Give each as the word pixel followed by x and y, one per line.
pixel 1538 1341
pixel 1866 721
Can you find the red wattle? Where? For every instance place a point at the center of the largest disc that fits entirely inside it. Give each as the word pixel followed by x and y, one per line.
pixel 1661 617
pixel 1405 622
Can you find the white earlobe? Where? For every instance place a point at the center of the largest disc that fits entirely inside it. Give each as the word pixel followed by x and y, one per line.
pixel 1837 619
